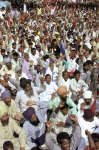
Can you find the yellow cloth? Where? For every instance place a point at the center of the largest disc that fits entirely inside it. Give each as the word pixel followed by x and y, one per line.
pixel 39 11
pixel 39 33
pixel 3 109
pixel 12 109
pixel 6 134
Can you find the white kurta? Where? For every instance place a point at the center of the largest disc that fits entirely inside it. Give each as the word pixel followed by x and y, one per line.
pixel 90 126
pixel 22 99
pixel 49 90
pixel 54 73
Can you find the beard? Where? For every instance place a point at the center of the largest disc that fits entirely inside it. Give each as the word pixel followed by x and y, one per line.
pixel 35 123
pixel 63 99
pixel 5 122
pixel 87 103
pixel 29 93
pixel 8 104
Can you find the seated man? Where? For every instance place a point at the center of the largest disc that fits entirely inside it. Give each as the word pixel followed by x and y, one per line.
pixel 11 105
pixel 87 122
pixel 62 96
pixel 93 140
pixel 8 145
pixel 7 128
pixel 60 144
pixel 77 86
pixel 34 128
pixel 50 89
pixel 85 103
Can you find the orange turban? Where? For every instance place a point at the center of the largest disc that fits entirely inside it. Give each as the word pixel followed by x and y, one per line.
pixel 62 90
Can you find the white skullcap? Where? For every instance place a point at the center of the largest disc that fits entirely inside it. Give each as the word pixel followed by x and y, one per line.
pixel 87 95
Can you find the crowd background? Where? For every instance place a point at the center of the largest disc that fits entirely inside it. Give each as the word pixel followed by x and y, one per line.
pixel 49 75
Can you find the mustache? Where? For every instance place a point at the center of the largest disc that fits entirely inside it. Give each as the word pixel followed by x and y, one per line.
pixel 35 123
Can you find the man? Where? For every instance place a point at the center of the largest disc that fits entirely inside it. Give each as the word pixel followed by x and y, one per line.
pixel 77 86
pixel 26 66
pixel 10 104
pixel 93 140
pixel 64 141
pixel 85 102
pixel 50 89
pixel 8 145
pixel 65 81
pixel 8 67
pixel 62 96
pixel 52 70
pixel 87 122
pixel 7 128
pixel 27 96
pixel 34 128
pixel 86 74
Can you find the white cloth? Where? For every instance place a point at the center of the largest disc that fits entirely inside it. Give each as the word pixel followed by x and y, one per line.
pixel 22 99
pixel 90 126
pixel 77 86
pixel 49 90
pixel 53 74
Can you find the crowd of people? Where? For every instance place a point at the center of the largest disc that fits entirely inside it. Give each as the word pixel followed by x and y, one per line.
pixel 49 77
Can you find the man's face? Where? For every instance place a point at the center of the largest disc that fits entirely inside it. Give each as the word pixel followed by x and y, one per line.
pixel 48 79
pixel 77 77
pixel 8 101
pixel 28 87
pixel 65 76
pixel 87 101
pixel 9 65
pixel 65 144
pixel 5 119
pixel 15 58
pixel 34 120
pixel 65 111
pixel 29 90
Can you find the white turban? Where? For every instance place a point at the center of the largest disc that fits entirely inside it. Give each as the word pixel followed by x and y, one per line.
pixel 87 95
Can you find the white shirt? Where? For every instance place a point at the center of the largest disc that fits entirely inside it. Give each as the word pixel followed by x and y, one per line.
pixel 90 126
pixel 22 99
pixel 49 90
pixel 53 74
pixel 34 58
pixel 77 86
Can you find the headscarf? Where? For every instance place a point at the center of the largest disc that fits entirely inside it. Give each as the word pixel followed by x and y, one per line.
pixel 3 109
pixel 28 113
pixel 5 94
pixel 62 90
